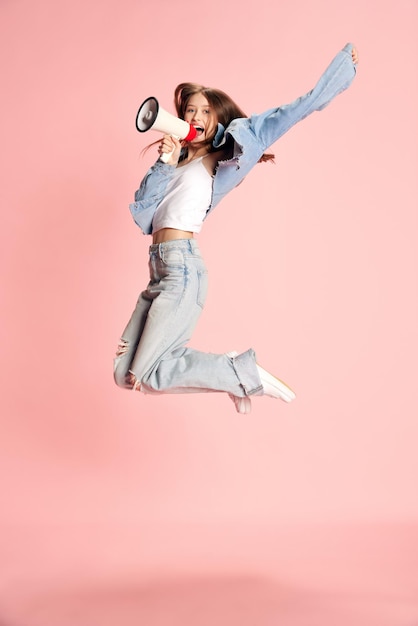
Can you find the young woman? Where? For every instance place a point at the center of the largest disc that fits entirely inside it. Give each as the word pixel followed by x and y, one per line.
pixel 173 200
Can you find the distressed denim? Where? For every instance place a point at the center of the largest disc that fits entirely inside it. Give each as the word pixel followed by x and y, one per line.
pixel 153 356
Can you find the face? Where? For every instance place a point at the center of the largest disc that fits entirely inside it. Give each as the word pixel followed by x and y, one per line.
pixel 199 114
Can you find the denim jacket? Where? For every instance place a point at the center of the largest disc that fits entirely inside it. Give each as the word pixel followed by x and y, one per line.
pixel 252 136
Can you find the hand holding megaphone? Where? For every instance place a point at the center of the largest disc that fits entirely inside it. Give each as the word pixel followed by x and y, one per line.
pixel 151 116
pixel 169 149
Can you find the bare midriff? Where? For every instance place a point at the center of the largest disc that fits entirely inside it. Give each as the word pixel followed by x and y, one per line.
pixel 170 234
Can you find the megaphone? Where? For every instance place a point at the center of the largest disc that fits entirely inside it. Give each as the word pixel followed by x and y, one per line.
pixel 151 116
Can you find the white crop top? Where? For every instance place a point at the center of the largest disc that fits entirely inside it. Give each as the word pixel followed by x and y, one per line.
pixel 187 199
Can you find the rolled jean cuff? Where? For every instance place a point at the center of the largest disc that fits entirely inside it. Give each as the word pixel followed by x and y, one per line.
pixel 246 369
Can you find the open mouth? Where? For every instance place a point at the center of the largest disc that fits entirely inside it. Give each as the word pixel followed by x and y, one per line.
pixel 199 130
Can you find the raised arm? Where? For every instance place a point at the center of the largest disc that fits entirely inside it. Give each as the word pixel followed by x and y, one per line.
pixel 272 124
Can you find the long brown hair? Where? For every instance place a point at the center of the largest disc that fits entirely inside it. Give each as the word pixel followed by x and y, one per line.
pixel 224 108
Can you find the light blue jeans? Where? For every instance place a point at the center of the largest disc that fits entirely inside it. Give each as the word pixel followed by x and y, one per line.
pixel 152 355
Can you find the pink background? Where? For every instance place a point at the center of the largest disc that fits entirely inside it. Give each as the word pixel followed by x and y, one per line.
pixel 102 488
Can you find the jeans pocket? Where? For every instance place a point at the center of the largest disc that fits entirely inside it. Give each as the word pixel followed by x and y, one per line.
pixel 172 257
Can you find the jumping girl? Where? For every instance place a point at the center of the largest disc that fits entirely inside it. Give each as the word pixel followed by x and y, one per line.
pixel 173 200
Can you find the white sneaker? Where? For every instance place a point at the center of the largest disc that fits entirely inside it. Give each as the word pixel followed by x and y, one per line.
pixel 242 405
pixel 274 387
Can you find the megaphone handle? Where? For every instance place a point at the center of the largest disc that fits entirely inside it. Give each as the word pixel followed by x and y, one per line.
pixel 166 155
